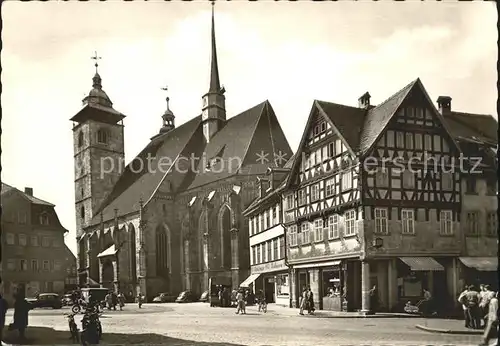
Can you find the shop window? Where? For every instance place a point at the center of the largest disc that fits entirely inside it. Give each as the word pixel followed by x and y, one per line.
pixel 282 285
pixel 331 283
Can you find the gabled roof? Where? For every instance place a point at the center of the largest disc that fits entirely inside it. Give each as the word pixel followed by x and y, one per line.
pixel 379 116
pixel 482 127
pixel 348 121
pixel 7 188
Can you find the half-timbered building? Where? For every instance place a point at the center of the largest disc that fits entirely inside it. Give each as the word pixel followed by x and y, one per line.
pixel 374 197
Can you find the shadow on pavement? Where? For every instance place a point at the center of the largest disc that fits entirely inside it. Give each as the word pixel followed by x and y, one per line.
pixel 49 336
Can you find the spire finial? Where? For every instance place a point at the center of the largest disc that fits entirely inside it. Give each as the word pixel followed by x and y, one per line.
pixel 95 57
pixel 165 88
pixel 214 70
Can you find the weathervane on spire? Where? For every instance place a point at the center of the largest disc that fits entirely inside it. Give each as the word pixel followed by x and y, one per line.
pixel 165 88
pixel 95 57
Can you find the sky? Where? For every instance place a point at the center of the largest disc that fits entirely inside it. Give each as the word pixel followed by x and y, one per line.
pixel 289 53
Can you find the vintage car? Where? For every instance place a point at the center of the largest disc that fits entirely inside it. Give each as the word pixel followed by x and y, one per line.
pixel 164 298
pixel 46 300
pixel 186 297
pixel 204 297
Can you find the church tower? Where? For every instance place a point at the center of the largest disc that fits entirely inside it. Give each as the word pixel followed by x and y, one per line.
pixel 214 103
pixel 98 144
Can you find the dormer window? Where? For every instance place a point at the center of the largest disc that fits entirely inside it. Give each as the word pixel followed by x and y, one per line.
pixel 102 136
pixel 44 219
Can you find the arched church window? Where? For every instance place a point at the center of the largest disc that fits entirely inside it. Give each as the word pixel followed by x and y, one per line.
pixel 161 251
pixel 82 212
pixel 80 139
pixel 102 136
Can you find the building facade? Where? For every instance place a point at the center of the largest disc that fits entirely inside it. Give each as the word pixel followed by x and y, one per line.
pixel 33 248
pixel 177 221
pixel 269 269
pixel 71 280
pixel 375 197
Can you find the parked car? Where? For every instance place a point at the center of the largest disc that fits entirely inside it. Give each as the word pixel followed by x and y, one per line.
pixel 164 298
pixel 186 297
pixel 204 297
pixel 46 300
pixel 67 300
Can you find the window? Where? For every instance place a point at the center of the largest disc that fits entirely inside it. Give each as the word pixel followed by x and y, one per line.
pixel 292 234
pixel 289 202
pixel 11 264
pixel 250 226
pixel 390 139
pixel 24 265
pixel 268 221
pixel 312 160
pixel 445 222
pixel 324 153
pixel 34 265
pixel 44 219
pixel 408 180
pixel 282 247
pixel 381 220
pixel 275 249
pixel 274 219
pixel 318 230
pixel 418 141
pixel 408 221
pixel 45 241
pixel 323 126
pixel 82 212
pixel 470 186
pixel 419 113
pixel 400 140
pixel 318 156
pixel 428 142
pixel 491 223
pixel 262 225
pixel 259 260
pixel 347 181
pixel 102 136
pixel 437 143
pixel 350 223
pixel 314 192
pixel 56 243
pixel 330 187
pixel 10 239
pixel 302 197
pixel 446 181
pixel 333 226
pixel 305 233
pixel 254 255
pixel 382 177
pixel 21 217
pixel 331 149
pixel 409 140
pixel 472 222
pixel 269 251
pixel 34 240
pixel 22 240
pixel 80 139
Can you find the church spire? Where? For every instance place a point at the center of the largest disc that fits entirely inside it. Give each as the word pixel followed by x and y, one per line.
pixel 97 95
pixel 214 68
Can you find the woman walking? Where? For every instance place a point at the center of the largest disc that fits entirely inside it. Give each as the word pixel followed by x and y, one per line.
pixel 21 310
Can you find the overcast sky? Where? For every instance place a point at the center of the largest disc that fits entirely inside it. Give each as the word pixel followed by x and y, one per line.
pixel 288 53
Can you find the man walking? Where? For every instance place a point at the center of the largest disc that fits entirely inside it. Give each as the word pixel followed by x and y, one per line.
pixel 471 302
pixel 461 300
pixel 491 330
pixel 303 301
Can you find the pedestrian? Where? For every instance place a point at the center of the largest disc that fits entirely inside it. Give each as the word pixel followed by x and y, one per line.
pixel 303 300
pixel 427 302
pixel 491 329
pixel 3 311
pixel 108 300
pixel 139 299
pixel 114 300
pixel 310 301
pixel 461 300
pixel 485 297
pixel 225 297
pixel 21 310
pixel 121 300
pixel 240 299
pixel 374 299
pixel 471 302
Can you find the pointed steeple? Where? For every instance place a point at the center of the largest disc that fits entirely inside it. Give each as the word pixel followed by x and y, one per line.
pixel 97 95
pixel 214 68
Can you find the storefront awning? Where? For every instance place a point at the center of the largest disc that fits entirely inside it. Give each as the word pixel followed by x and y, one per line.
pixel 485 264
pixel 108 252
pixel 249 280
pixel 422 264
pixel 317 265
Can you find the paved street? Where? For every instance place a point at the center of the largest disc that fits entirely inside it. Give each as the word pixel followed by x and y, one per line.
pixel 198 324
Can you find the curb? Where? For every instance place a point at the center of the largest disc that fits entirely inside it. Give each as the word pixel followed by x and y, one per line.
pixel 326 315
pixel 448 331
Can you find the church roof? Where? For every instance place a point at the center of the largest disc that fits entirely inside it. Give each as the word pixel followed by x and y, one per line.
pixel 236 144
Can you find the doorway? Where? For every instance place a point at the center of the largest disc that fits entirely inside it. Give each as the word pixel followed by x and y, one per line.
pixel 269 290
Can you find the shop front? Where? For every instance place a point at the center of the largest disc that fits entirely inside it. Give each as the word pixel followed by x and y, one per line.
pixel 273 279
pixel 479 270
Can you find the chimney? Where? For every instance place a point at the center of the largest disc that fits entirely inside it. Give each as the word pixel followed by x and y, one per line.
pixel 271 173
pixel 444 104
pixel 262 186
pixel 364 101
pixel 28 191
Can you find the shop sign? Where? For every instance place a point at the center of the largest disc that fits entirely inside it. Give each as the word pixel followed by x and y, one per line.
pixel 269 267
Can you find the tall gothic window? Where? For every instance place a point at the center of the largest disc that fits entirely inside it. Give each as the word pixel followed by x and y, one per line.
pixel 133 252
pixel 102 136
pixel 161 251
pixel 80 139
pixel 225 229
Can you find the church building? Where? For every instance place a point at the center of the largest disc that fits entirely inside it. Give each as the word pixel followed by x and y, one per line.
pixel 172 218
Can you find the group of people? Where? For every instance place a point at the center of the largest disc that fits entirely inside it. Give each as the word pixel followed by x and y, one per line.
pixel 224 296
pixel 307 301
pixel 113 299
